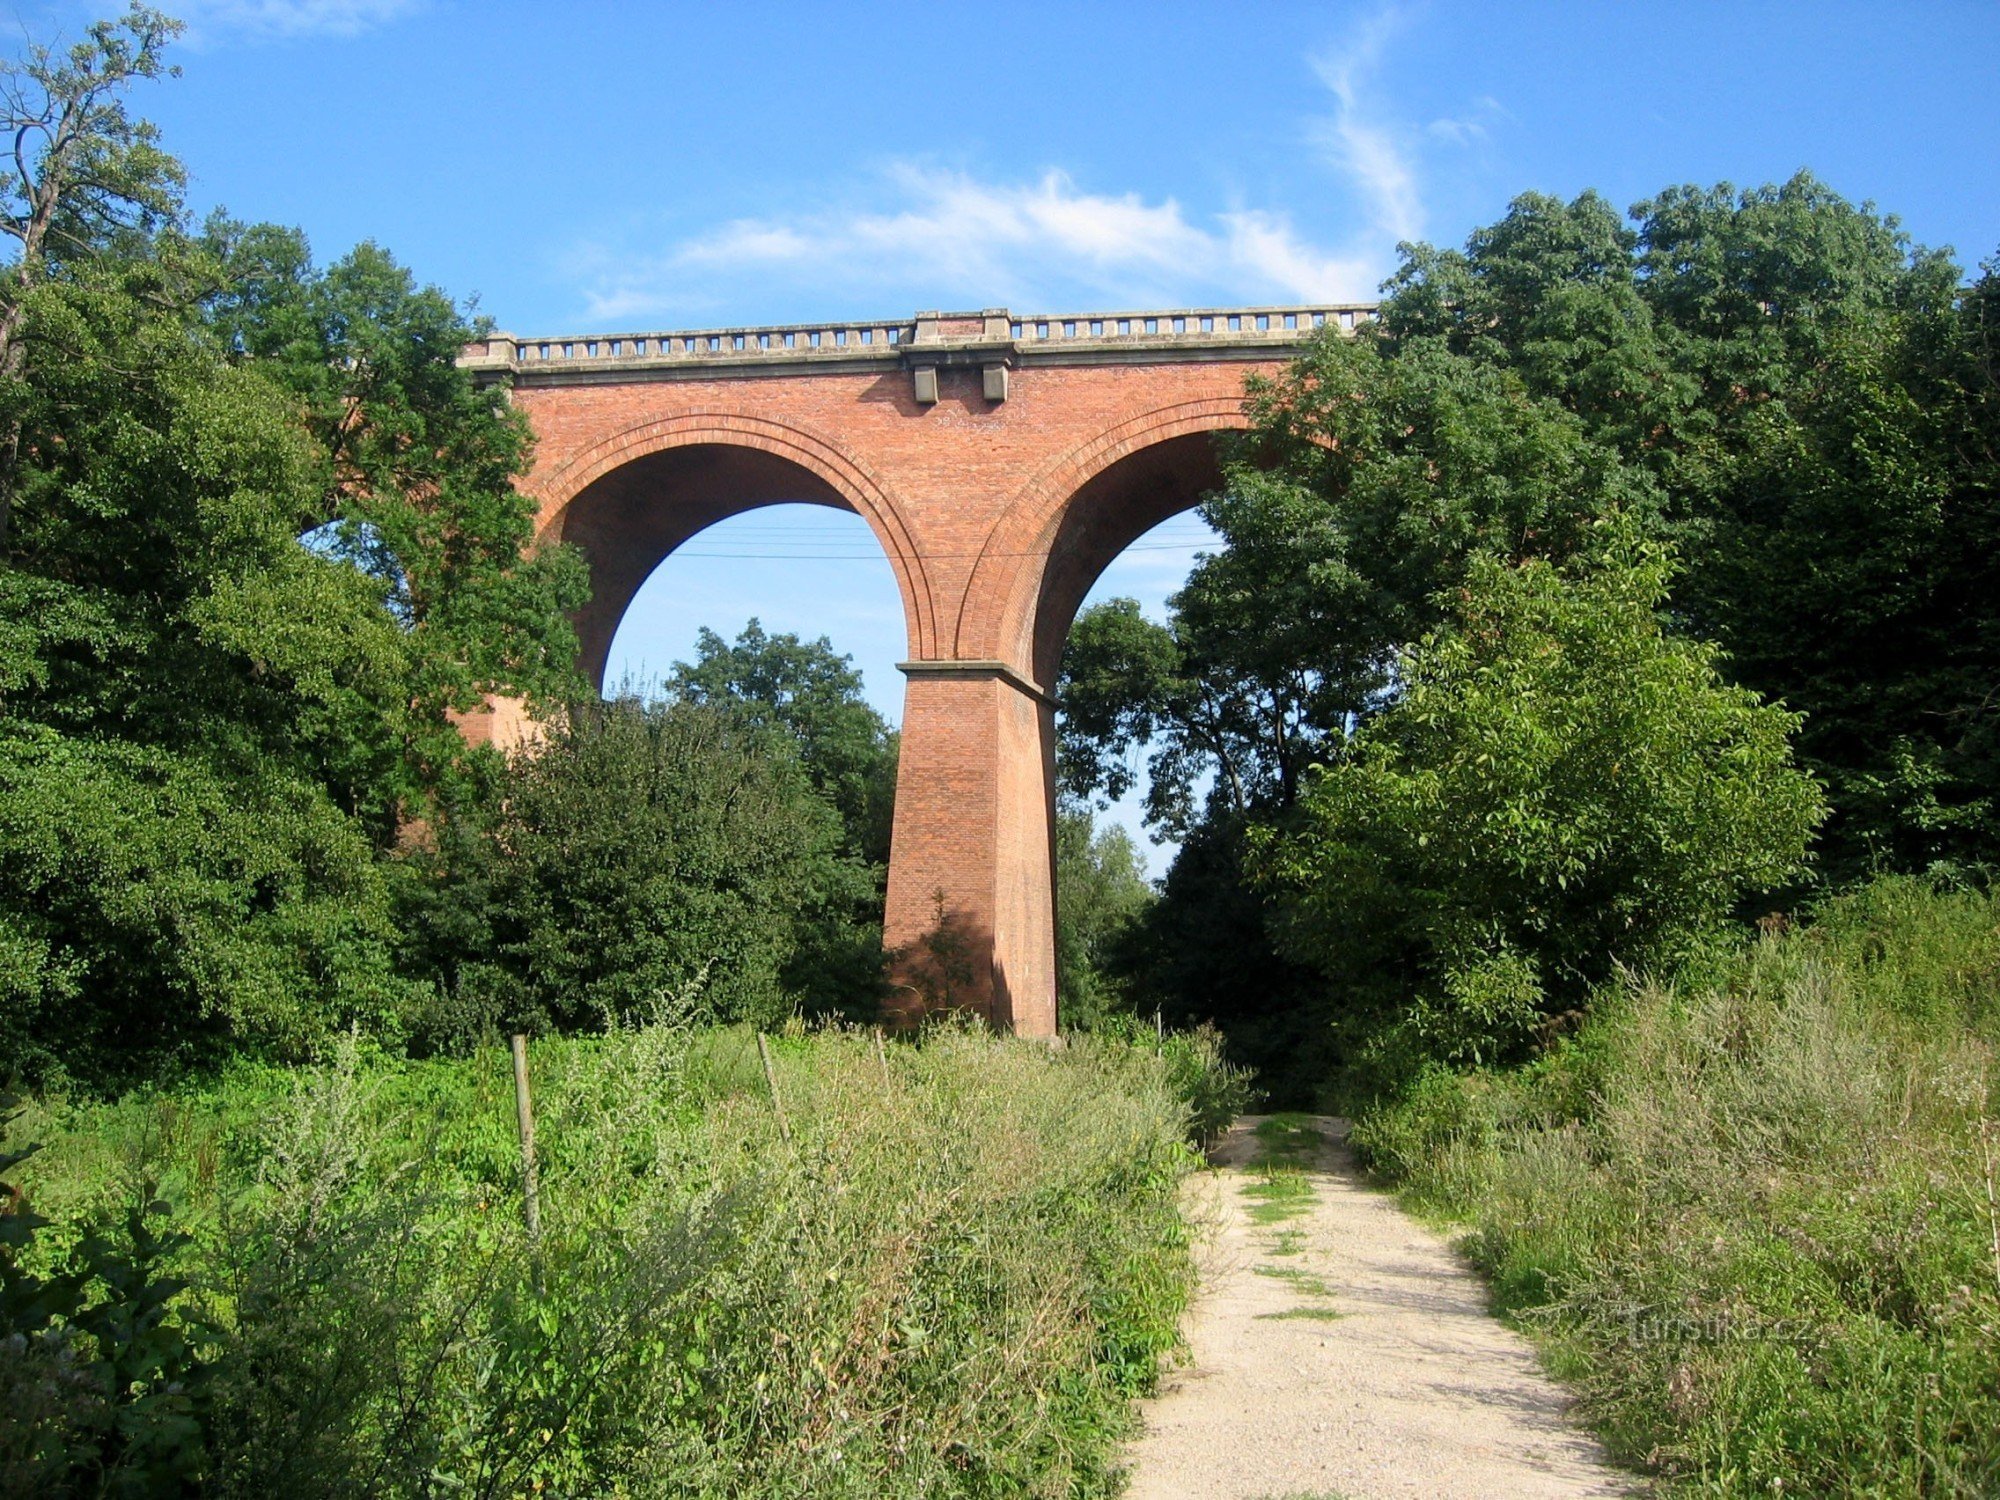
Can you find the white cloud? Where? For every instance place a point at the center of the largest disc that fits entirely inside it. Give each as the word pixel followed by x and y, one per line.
pixel 1371 150
pixel 1470 128
pixel 210 20
pixel 923 236
pixel 953 239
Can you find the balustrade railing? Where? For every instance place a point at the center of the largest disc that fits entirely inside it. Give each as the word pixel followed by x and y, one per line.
pixel 886 340
pixel 1205 323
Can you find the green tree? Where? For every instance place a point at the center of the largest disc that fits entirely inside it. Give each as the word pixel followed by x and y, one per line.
pixel 1373 474
pixel 211 735
pixel 416 472
pixel 814 696
pixel 178 677
pixel 1774 380
pixel 1560 789
pixel 640 851
pixel 1806 388
pixel 1101 892
pixel 85 178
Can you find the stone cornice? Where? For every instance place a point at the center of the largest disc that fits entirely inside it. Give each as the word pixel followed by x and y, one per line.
pixel 989 339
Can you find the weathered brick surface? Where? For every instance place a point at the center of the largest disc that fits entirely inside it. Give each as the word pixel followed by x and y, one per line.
pixel 996 518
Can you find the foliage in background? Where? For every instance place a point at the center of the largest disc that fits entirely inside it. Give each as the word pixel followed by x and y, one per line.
pixel 1754 1216
pixel 1101 894
pixel 809 697
pixel 1774 381
pixel 1364 488
pixel 1559 791
pixel 1815 398
pixel 949 1283
pixel 811 693
pixel 1203 953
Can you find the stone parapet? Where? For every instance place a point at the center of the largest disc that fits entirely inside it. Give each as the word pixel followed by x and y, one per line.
pixel 992 337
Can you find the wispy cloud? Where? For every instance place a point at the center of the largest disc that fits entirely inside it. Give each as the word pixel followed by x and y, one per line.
pixel 1472 127
pixel 212 20
pixel 1363 143
pixel 952 238
pixel 917 234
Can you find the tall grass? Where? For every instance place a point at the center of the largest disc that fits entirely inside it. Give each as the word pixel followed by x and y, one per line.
pixel 949 1282
pixel 1754 1215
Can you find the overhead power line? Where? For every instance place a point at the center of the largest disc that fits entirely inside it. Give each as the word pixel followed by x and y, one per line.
pixel 804 556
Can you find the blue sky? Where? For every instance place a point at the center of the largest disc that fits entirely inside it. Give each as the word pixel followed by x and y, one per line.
pixel 593 167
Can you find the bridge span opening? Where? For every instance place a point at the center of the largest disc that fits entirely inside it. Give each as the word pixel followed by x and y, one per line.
pixel 1001 462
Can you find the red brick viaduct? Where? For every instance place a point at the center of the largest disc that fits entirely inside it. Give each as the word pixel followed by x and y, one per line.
pixel 1002 462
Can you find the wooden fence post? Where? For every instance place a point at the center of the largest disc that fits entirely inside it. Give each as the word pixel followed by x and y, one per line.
pixel 771 1080
pixel 524 1117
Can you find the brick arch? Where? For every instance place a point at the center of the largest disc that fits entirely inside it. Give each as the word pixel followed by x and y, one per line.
pixel 630 499
pixel 1002 462
pixel 1070 522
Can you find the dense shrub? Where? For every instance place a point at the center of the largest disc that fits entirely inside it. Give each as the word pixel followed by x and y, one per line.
pixel 159 908
pixel 104 1387
pixel 1561 789
pixel 1752 1215
pixel 948 1282
pixel 638 849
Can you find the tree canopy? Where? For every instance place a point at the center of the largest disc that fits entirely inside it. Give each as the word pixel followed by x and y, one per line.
pixel 812 694
pixel 1559 790
pixel 210 735
pixel 1774 383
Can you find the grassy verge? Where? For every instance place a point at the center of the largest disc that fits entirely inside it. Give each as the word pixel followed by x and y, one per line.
pixel 951 1281
pixel 1754 1218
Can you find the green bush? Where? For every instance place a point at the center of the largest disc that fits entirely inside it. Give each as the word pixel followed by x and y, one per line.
pixel 103 1384
pixel 1214 1090
pixel 1751 1216
pixel 1560 790
pixel 950 1281
pixel 158 909
pixel 636 850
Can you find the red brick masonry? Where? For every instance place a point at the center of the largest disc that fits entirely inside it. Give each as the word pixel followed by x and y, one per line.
pixel 1051 445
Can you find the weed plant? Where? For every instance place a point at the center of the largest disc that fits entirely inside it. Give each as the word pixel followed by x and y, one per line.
pixel 1754 1214
pixel 950 1282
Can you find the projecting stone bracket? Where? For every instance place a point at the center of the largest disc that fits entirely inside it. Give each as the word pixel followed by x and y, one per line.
pixel 994 669
pixel 958 341
pixel 993 358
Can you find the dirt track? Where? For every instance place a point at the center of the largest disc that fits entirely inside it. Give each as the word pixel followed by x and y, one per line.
pixel 1345 1350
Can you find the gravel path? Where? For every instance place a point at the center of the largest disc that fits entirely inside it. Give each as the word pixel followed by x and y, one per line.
pixel 1338 1348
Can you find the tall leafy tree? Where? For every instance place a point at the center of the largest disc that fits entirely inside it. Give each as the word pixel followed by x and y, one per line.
pixel 210 734
pixel 178 679
pixel 1775 380
pixel 416 477
pixel 1804 385
pixel 85 176
pixel 1560 789
pixel 1373 474
pixel 811 694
